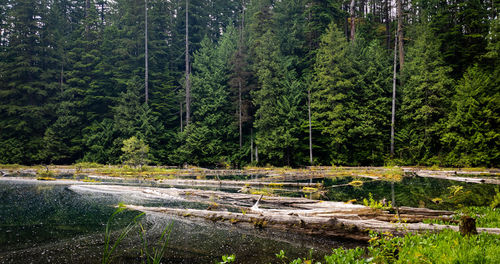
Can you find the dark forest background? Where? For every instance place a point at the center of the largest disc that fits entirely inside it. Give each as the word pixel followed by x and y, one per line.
pixel 72 81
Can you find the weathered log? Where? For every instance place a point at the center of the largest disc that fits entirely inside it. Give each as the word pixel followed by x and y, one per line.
pixel 299 215
pixel 324 226
pixel 238 183
pixel 422 211
pixel 453 175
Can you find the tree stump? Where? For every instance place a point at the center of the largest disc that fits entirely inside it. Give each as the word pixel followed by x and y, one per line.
pixel 467 226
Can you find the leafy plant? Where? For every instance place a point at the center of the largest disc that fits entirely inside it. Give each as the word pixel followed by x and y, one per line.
pixel 135 152
pixel 44 173
pixel 384 247
pixel 496 200
pixel 155 254
pixel 376 204
pixel 227 259
pixel 109 247
pixel 307 260
pixel 352 256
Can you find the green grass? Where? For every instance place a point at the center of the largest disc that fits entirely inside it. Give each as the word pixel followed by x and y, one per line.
pixel 449 247
pixel 153 254
pixel 485 216
pixel 109 246
pixel 150 253
pixel 437 248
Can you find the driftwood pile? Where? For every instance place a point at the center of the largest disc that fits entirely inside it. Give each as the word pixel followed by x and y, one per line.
pixel 298 215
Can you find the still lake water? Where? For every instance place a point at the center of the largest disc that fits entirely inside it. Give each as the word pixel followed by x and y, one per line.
pixel 46 222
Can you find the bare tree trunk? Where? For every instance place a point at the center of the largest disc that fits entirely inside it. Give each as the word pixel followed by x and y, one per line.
pixel 393 118
pixel 346 24
pixel 399 13
pixel 188 82
pixel 387 25
pixel 240 118
pixel 146 62
pixel 251 145
pixel 353 25
pixel 362 8
pixel 310 126
pixel 180 113
pixel 102 13
pixel 257 154
pixel 239 113
pixel 87 6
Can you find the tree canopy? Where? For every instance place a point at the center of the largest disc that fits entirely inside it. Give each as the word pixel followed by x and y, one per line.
pixel 72 81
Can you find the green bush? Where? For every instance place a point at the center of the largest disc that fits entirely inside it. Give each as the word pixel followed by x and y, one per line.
pixel 485 216
pixel 447 246
pixel 351 256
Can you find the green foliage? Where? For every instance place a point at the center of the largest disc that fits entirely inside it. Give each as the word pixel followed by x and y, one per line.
pixel 278 98
pixel 135 152
pixel 370 202
pixel 284 259
pixel 109 247
pixel 426 97
pixel 87 165
pixel 72 82
pixel 210 138
pixel 449 247
pixel 496 200
pixel 351 256
pixel 485 216
pixel 227 259
pixel 445 247
pixel 151 254
pixel 471 133
pixel 384 248
pixel 154 254
pixel 44 173
pixel 333 80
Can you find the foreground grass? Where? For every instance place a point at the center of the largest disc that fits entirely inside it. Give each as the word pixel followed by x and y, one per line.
pixel 445 247
pixel 485 216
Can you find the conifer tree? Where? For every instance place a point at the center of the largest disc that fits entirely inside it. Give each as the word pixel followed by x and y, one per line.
pixel 471 129
pixel 27 81
pixel 63 139
pixel 332 94
pixel 211 138
pixel 278 99
pixel 425 99
pixel 369 135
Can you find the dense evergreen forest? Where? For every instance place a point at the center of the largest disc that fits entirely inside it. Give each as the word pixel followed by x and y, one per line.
pixel 261 80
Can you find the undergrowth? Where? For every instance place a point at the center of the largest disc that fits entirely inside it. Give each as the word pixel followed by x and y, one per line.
pixel 485 216
pixel 447 246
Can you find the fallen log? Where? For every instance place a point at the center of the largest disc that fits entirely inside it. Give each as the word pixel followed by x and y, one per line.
pixel 313 225
pixel 238 183
pixel 273 204
pixel 454 175
pixel 300 215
